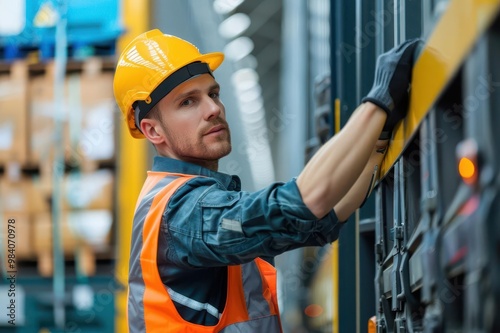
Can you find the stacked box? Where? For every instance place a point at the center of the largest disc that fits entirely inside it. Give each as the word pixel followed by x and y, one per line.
pixel 86 221
pixel 85 232
pixel 42 117
pixel 87 116
pixel 13 112
pixel 21 200
pixel 92 226
pixel 88 190
pixel 91 120
pixel 27 141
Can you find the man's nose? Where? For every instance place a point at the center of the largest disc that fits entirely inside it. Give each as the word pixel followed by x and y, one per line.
pixel 212 109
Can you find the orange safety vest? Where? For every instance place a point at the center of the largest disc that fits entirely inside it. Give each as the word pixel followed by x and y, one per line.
pixel 150 308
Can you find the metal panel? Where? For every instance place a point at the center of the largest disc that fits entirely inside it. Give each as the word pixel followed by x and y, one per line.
pixel 344 89
pixel 452 39
pixel 416 271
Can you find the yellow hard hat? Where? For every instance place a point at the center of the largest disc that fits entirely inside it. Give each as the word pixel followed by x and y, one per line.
pixel 150 67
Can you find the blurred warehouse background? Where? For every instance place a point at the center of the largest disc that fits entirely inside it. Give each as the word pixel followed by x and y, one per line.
pixel 70 174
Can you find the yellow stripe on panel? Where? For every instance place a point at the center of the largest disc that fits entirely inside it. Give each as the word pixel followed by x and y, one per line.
pixel 337 115
pixel 335 281
pixel 460 26
pixel 131 168
pixel 335 247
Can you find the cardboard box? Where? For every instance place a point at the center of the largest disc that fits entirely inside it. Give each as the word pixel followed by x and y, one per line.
pixel 90 228
pixel 42 231
pixel 19 238
pixel 96 139
pixel 79 190
pixel 73 242
pixel 22 196
pixel 86 117
pixel 13 113
pixel 20 200
pixel 42 117
pixel 88 190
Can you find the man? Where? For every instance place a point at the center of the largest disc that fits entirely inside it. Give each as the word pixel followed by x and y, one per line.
pixel 201 248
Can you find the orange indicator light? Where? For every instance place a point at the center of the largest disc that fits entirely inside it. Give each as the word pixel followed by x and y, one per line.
pixel 466 169
pixel 313 310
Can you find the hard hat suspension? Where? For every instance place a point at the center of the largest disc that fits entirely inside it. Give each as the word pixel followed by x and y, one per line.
pixel 142 108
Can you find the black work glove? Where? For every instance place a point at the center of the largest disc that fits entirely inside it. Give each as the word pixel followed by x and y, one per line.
pixel 391 86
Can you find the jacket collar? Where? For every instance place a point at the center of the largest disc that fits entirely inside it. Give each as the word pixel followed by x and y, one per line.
pixel 167 164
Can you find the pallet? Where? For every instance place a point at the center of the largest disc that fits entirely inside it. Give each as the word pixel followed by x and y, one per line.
pixel 45 51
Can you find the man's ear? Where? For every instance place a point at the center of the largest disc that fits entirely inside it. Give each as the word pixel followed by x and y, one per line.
pixel 152 130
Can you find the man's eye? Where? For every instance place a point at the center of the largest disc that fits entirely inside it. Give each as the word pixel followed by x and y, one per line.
pixel 186 102
pixel 214 95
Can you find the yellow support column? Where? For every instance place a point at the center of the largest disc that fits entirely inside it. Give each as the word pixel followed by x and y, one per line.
pixel 335 246
pixel 131 166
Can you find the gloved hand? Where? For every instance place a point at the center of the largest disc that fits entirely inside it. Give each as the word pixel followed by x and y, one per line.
pixel 391 85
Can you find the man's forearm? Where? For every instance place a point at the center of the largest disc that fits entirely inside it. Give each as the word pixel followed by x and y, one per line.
pixel 364 185
pixel 334 169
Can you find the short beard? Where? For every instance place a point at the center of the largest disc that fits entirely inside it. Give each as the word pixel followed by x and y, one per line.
pixel 183 150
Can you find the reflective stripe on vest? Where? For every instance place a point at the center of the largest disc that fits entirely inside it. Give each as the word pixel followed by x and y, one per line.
pixel 193 304
pixel 251 304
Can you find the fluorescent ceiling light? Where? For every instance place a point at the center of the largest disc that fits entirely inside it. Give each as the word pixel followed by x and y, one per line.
pixel 234 25
pixel 250 95
pixel 252 108
pixel 239 48
pixel 224 7
pixel 245 79
pixel 249 61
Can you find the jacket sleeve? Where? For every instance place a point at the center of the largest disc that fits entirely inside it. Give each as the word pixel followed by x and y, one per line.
pixel 206 225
